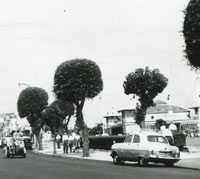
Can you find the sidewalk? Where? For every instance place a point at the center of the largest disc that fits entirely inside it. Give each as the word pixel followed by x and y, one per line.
pixel 189 159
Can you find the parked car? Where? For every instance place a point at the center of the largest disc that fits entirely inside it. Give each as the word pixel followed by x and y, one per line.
pixel 145 147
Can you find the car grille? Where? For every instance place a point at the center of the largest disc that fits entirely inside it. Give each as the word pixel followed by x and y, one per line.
pixel 166 154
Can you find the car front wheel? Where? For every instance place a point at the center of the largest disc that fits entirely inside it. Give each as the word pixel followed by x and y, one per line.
pixel 116 160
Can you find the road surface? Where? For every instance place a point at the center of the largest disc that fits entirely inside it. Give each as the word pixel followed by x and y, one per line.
pixel 37 166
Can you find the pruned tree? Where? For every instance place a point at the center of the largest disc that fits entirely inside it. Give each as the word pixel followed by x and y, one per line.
pixel 75 81
pixel 191 32
pixel 55 115
pixel 31 102
pixel 146 84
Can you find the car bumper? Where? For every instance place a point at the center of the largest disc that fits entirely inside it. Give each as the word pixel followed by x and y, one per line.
pixel 163 159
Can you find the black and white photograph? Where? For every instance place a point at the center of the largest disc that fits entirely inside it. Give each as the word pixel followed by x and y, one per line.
pixel 99 89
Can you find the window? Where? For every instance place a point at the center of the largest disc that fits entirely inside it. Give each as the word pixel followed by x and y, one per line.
pixel 128 139
pixel 136 139
pixel 160 139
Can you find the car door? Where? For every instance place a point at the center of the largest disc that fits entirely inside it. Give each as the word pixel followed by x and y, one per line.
pixel 133 148
pixel 125 147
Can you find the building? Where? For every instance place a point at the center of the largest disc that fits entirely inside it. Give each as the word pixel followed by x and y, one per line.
pixel 12 123
pixel 179 116
pixel 113 123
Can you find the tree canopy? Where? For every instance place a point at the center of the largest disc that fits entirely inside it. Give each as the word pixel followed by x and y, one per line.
pixel 56 113
pixel 146 84
pixel 78 79
pixel 159 123
pixel 191 32
pixel 32 100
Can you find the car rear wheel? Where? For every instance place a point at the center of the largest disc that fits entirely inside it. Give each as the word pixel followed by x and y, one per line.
pixel 142 162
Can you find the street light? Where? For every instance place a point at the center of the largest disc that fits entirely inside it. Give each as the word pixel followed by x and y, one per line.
pixel 19 84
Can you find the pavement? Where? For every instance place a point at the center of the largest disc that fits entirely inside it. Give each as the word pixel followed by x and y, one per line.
pixel 189 160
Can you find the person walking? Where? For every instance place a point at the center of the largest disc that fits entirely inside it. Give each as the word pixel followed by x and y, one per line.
pixel 168 134
pixel 71 142
pixel 65 140
pixel 77 142
pixel 58 137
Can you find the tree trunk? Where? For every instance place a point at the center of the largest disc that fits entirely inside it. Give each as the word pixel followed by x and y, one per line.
pixel 83 127
pixel 39 141
pixel 85 141
pixel 54 144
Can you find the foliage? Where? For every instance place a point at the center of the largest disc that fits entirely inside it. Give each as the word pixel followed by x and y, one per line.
pixel 31 102
pixel 77 79
pixel 191 32
pixel 159 123
pixel 64 108
pixel 55 114
pixel 96 130
pixel 146 84
pixel 139 114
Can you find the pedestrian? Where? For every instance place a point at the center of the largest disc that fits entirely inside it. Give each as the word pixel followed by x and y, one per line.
pixel 65 140
pixel 71 142
pixel 58 138
pixel 168 134
pixel 172 127
pixel 77 142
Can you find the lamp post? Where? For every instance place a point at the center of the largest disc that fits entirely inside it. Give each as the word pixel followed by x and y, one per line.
pixel 20 84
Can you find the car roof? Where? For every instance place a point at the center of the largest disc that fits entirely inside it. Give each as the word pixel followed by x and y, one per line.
pixel 147 133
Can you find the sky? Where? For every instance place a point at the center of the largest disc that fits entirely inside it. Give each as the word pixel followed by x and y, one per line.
pixel 36 36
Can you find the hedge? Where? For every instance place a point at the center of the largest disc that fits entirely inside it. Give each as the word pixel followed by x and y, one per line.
pixel 104 142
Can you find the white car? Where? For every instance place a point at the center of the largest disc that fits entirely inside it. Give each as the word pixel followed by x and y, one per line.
pixel 145 147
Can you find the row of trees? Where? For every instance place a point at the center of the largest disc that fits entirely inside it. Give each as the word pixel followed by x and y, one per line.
pixel 80 79
pixel 74 82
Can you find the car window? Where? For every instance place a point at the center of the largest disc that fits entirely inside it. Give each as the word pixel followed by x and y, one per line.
pixel 128 139
pixel 136 139
pixel 160 139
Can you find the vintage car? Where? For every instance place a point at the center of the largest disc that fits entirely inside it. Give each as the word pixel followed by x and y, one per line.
pixel 145 147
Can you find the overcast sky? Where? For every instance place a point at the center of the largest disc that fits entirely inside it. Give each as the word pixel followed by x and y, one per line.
pixel 119 35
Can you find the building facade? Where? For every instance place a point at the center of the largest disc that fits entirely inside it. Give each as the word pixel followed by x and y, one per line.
pixel 179 116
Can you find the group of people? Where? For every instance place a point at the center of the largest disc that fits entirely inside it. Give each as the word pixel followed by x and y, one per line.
pixel 10 140
pixel 71 142
pixel 167 132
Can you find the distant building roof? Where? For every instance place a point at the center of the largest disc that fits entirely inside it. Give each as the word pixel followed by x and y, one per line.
pixel 113 113
pixel 160 107
pixel 163 107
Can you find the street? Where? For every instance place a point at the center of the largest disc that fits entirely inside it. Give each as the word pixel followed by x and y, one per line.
pixel 37 166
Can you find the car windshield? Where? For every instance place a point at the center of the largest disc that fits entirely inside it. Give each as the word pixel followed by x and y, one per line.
pixel 160 139
pixel 128 139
